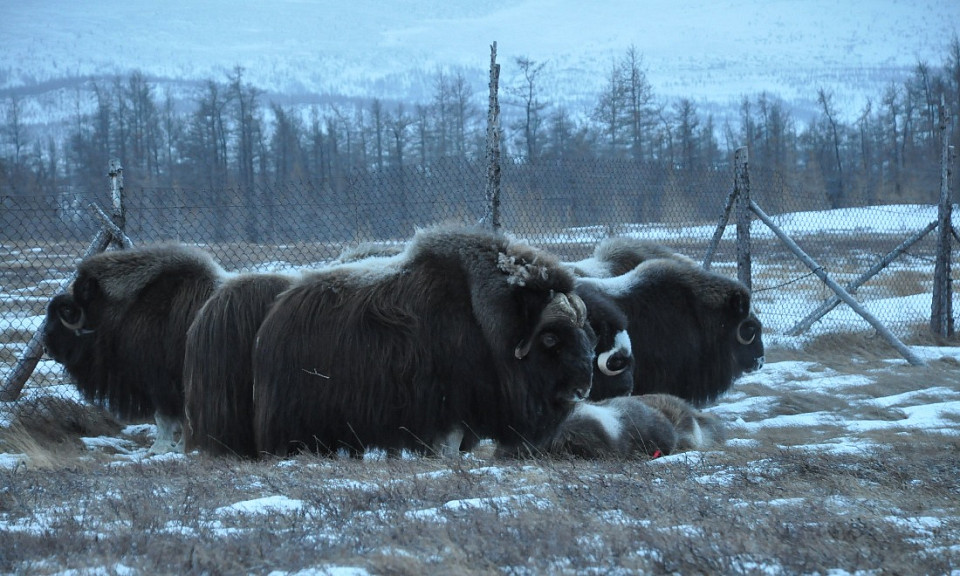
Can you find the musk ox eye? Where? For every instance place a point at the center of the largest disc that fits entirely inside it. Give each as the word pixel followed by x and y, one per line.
pixel 549 340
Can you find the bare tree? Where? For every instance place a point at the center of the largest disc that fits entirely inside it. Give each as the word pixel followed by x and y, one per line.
pixel 826 102
pixel 528 96
pixel 399 124
pixel 246 100
pixel 612 112
pixel 639 101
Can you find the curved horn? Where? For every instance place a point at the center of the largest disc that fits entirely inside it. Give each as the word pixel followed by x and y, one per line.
pixel 604 359
pixel 740 338
pixel 77 325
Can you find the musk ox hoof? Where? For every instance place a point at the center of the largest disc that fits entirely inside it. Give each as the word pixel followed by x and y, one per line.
pixel 169 435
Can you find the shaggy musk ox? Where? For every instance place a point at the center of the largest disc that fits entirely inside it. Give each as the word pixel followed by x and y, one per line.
pixel 218 370
pixel 464 335
pixel 120 332
pixel 628 426
pixel 691 330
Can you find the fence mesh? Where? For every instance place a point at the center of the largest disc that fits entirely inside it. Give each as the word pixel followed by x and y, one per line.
pixel 564 207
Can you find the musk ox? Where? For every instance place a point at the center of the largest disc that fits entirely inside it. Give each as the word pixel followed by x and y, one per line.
pixel 613 369
pixel 629 426
pixel 464 335
pixel 218 364
pixel 692 331
pixel 120 332
pixel 618 255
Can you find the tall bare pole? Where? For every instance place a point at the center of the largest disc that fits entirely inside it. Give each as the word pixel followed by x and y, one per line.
pixel 941 312
pixel 741 188
pixel 492 217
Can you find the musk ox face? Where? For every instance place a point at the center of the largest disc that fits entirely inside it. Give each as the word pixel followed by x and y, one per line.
pixel 613 365
pixel 747 345
pixel 560 350
pixel 120 331
pixel 67 333
pixel 691 330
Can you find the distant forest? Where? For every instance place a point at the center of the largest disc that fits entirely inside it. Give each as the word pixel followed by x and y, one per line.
pixel 232 138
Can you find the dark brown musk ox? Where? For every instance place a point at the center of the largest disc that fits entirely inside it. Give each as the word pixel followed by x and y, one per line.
pixel 120 331
pixel 464 335
pixel 692 332
pixel 218 364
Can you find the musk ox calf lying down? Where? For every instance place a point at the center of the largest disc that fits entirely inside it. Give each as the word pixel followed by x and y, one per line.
pixel 692 331
pixel 218 365
pixel 630 426
pixel 120 331
pixel 464 335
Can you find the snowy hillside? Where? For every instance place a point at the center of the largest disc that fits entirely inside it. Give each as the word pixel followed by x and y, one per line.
pixel 714 52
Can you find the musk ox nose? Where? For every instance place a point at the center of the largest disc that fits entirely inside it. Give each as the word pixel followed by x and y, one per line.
pixel 757 364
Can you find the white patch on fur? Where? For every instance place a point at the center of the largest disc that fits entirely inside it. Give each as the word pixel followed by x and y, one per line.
pixel 618 286
pixel 606 416
pixel 590 267
pixel 695 438
pixel 621 342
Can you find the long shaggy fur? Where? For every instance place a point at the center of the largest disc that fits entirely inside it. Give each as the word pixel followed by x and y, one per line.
pixel 218 365
pixel 120 332
pixel 684 324
pixel 621 427
pixel 444 341
pixel 630 426
pixel 696 429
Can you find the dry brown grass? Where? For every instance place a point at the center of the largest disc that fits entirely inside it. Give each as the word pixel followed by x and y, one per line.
pixel 779 501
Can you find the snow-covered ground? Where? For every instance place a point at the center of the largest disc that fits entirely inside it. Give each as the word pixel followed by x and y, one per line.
pixel 799 409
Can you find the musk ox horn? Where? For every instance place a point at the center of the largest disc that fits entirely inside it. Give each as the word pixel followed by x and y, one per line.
pixel 561 307
pixel 603 363
pixel 746 341
pixel 76 325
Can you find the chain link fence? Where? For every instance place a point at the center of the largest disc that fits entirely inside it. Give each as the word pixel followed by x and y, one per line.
pixel 564 207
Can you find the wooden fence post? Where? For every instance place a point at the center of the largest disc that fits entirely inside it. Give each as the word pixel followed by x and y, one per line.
pixel 742 190
pixel 110 231
pixel 941 313
pixel 492 216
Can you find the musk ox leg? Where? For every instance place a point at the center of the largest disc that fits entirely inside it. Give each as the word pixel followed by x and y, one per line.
pixel 696 429
pixel 448 445
pixel 169 435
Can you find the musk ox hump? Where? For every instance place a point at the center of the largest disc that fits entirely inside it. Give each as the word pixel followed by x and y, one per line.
pixel 121 273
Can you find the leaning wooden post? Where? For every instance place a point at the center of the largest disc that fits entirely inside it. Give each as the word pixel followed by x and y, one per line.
pixel 941 312
pixel 107 233
pixel 721 227
pixel 818 270
pixel 492 216
pixel 742 190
